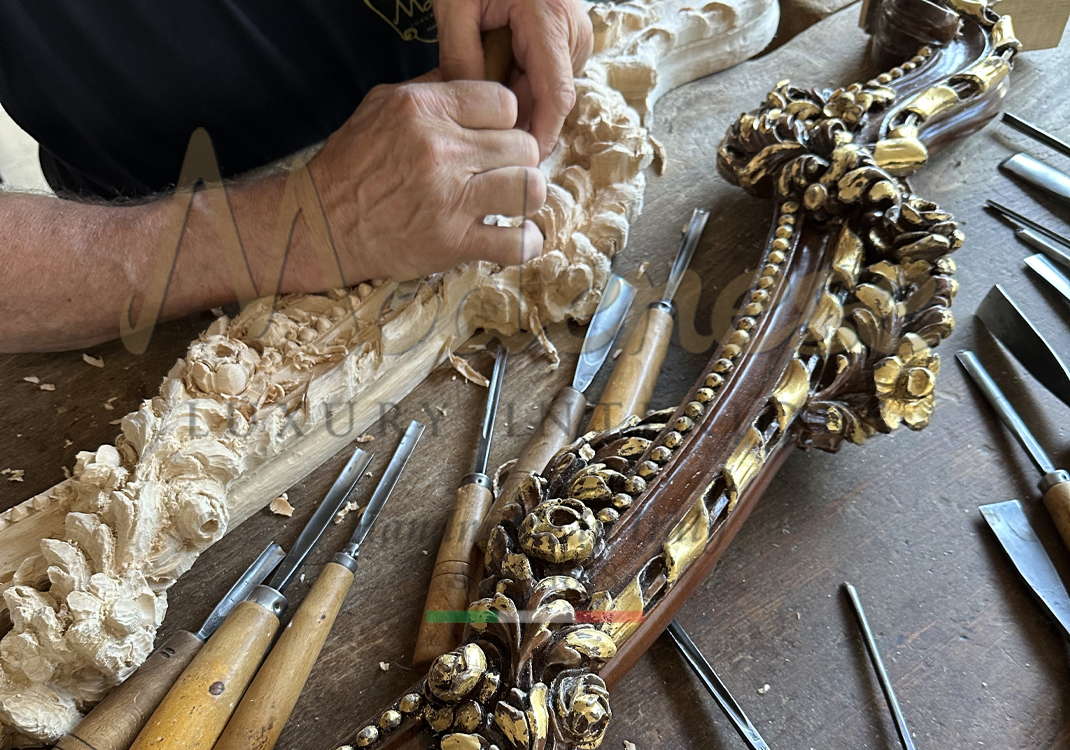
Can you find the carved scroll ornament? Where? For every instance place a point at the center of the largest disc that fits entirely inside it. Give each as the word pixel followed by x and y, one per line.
pixel 833 343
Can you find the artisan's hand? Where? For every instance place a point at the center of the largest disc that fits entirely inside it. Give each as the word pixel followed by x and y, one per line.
pixel 551 41
pixel 407 181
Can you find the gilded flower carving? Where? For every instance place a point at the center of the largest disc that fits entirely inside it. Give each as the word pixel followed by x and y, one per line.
pixel 905 383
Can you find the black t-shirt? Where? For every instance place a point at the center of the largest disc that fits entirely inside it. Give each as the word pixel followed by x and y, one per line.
pixel 113 89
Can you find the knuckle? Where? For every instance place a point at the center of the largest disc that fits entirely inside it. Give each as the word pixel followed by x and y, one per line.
pixel 536 190
pixel 408 99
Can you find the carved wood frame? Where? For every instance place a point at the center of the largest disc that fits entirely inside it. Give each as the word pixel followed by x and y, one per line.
pixel 833 342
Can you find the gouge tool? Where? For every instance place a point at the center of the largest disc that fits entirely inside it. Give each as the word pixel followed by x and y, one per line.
pixel 1051 273
pixel 1054 483
pixel 458 561
pixel 195 711
pixel 694 658
pixel 267 704
pixel 1034 234
pixel 116 720
pixel 562 420
pixel 1038 174
pixel 1008 324
pixel 631 385
pixel 1020 542
pixel 1036 133
pixel 901 727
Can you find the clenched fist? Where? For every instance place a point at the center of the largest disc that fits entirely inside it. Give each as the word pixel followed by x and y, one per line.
pixel 408 180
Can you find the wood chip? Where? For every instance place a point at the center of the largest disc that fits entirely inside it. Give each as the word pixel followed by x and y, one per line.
pixel 642 269
pixel 462 367
pixel 280 506
pixel 661 158
pixel 13 475
pixel 116 421
pixel 629 745
pixel 47 387
pixel 763 689
pixel 66 473
pixel 384 666
pixel 348 508
pixel 32 379
pixel 93 361
pixel 67 443
pixel 616 353
pixel 365 438
pixel 442 411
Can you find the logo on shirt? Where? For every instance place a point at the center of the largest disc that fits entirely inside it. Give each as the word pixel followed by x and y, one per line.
pixel 414 20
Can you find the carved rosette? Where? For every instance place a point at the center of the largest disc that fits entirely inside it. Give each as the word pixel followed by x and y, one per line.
pixel 860 363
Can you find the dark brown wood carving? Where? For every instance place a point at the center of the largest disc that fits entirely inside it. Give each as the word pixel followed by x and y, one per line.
pixel 834 342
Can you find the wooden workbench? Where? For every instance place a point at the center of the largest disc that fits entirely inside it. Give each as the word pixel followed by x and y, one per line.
pixel 973 659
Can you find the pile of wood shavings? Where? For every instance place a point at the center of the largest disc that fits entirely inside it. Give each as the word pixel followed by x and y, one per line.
pixel 13 475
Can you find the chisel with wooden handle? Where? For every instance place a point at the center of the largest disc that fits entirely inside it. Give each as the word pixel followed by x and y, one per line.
pixel 267 704
pixel 194 712
pixel 458 558
pixel 1055 483
pixel 117 719
pixel 631 385
pixel 561 422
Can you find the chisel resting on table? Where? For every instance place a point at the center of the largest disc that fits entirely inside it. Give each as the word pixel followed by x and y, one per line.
pixel 197 708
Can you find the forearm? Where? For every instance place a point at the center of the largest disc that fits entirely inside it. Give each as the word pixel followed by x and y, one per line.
pixel 72 270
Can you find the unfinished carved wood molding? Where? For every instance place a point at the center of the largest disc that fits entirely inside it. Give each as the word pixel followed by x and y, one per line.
pixel 833 343
pixel 260 401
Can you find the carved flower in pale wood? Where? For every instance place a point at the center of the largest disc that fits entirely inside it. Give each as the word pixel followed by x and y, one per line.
pixel 905 383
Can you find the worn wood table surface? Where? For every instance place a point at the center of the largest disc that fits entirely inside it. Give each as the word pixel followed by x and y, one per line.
pixel 973 659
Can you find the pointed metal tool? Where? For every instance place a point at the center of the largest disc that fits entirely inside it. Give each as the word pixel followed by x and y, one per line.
pixel 1034 228
pixel 698 663
pixel 1054 483
pixel 1012 328
pixel 1020 542
pixel 1036 133
pixel 1051 273
pixel 267 704
pixel 901 727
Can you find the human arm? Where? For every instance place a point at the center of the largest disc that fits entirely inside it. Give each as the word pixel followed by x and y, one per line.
pixel 404 186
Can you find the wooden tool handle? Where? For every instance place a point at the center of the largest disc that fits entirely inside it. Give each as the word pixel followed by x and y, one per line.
pixel 632 383
pixel 1057 501
pixel 195 711
pixel 270 699
pixel 498 55
pixel 117 719
pixel 454 574
pixel 557 429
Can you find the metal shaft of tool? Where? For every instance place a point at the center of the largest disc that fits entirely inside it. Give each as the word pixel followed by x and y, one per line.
pixel 384 488
pixel 253 576
pixel 1027 222
pixel 878 665
pixel 494 391
pixel 692 235
pixel 702 668
pixel 1036 133
pixel 1006 412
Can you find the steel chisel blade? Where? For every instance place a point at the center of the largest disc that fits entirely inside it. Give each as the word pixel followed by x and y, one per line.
pixel 1048 271
pixel 1008 323
pixel 1020 542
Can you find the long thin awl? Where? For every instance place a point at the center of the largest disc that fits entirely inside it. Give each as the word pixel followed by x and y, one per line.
pixel 1055 483
pixel 1036 133
pixel 1030 224
pixel 116 720
pixel 267 704
pixel 458 563
pixel 716 688
pixel 1056 251
pixel 1030 559
pixel 1039 175
pixel 901 727
pixel 195 711
pixel 631 385
pixel 561 422
pixel 1008 324
pixel 1050 273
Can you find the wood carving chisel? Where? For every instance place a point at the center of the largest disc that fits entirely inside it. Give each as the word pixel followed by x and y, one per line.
pixel 1020 542
pixel 267 704
pixel 1034 228
pixel 117 719
pixel 716 688
pixel 562 420
pixel 1008 324
pixel 195 711
pixel 458 561
pixel 1038 174
pixel 1054 483
pixel 631 385
pixel 1036 133
pixel 1051 273
pixel 901 727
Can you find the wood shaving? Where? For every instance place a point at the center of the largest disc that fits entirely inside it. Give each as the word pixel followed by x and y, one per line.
pixel 13 475
pixel 365 438
pixel 116 421
pixel 108 404
pixel 535 326
pixel 616 353
pixel 67 443
pixel 442 411
pixel 32 379
pixel 384 666
pixel 661 158
pixel 348 508
pixel 763 689
pixel 47 387
pixel 463 368
pixel 280 506
pixel 66 473
pixel 642 270
pixel 629 745
pixel 93 361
